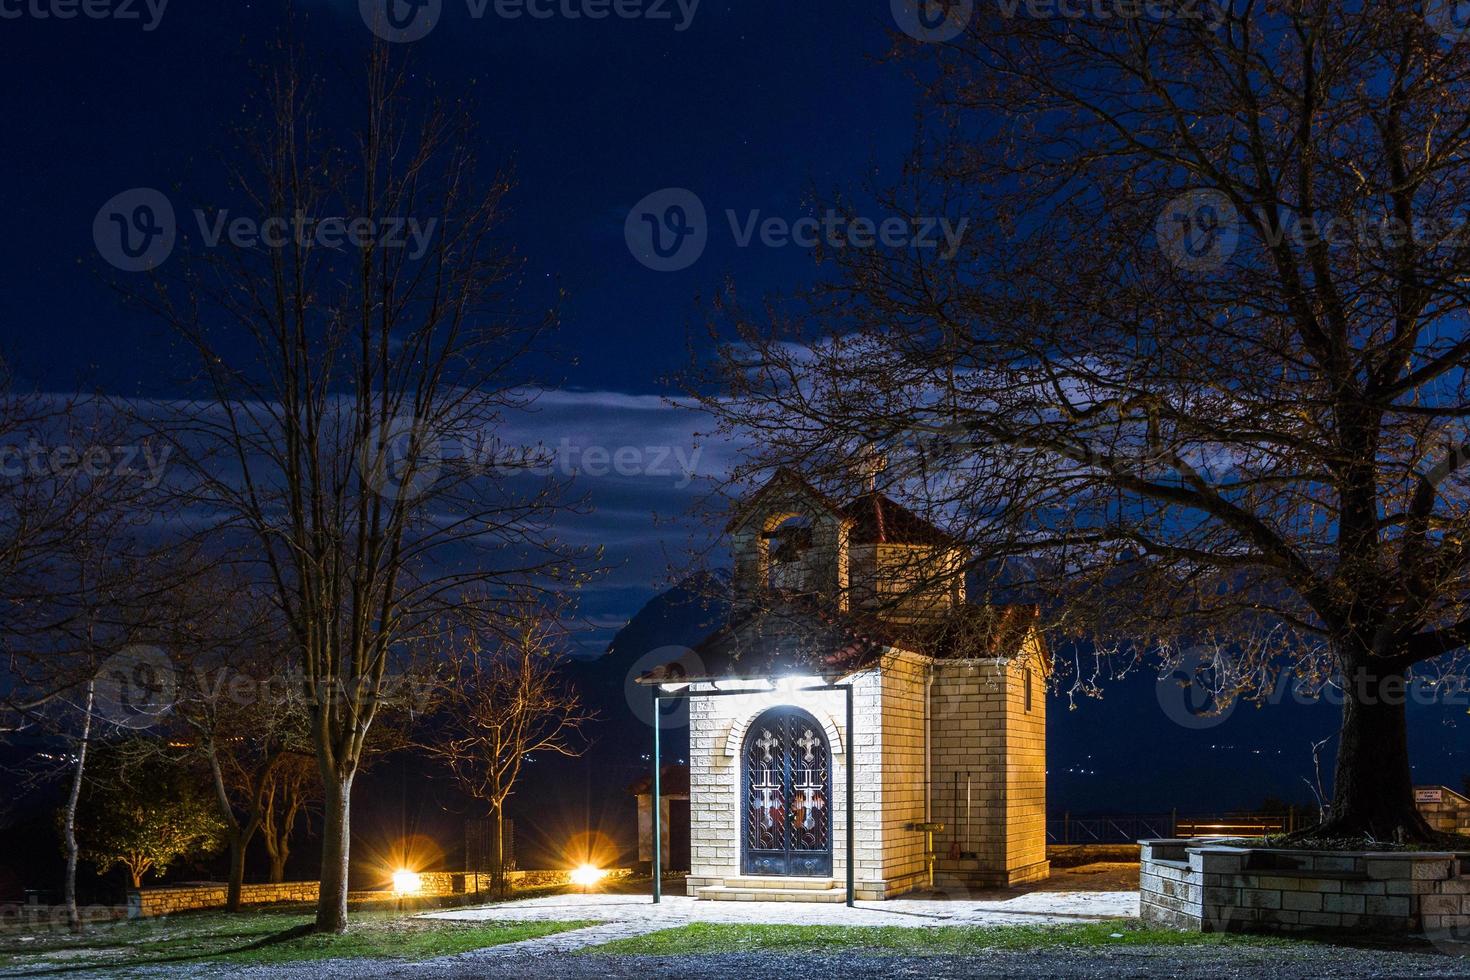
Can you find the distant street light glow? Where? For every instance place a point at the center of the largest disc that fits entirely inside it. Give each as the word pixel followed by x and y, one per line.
pixel 586 876
pixel 406 882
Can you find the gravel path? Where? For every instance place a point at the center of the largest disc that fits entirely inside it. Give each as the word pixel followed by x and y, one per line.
pixel 1313 962
pixel 1074 896
pixel 1004 909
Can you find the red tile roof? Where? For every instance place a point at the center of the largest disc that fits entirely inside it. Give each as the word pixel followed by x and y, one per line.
pixel 877 519
pixel 801 635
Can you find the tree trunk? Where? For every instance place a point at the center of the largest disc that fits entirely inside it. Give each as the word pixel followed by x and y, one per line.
pixel 69 821
pixel 237 872
pixel 497 871
pixel 331 909
pixel 278 866
pixel 1373 789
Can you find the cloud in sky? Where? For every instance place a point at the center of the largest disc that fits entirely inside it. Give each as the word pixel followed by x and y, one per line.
pixel 645 472
pixel 638 463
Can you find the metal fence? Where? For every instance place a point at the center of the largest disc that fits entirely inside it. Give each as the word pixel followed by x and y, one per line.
pixel 479 844
pixel 1127 829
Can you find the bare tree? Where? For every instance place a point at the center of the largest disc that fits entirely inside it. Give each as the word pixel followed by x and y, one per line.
pixel 345 436
pixel 237 706
pixel 69 843
pixel 293 786
pixel 246 728
pixel 1196 375
pixel 505 702
pixel 79 581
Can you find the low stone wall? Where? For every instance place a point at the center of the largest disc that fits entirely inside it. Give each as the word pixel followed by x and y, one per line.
pixel 192 896
pixel 1074 855
pixel 1212 888
pixel 188 897
pixel 439 884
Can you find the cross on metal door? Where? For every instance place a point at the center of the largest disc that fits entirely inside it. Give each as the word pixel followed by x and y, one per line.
pixel 787 784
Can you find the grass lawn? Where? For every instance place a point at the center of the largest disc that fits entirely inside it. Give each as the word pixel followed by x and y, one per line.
pixel 261 936
pixel 901 941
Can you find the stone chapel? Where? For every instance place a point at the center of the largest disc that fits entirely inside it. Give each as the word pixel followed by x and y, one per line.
pixel 859 609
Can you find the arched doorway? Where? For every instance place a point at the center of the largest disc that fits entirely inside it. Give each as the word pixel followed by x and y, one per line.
pixel 786 782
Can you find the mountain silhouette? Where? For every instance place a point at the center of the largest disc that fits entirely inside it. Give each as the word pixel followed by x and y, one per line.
pixel 566 799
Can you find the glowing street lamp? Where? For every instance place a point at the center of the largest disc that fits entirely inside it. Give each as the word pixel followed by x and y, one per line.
pixel 586 876
pixel 406 882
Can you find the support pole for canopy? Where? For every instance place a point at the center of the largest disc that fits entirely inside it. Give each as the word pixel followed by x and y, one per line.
pixel 658 802
pixel 851 810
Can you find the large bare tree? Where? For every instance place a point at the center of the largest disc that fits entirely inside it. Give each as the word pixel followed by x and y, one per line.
pixel 355 363
pixel 1197 374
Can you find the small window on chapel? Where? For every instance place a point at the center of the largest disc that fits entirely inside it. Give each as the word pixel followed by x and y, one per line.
pixel 1028 688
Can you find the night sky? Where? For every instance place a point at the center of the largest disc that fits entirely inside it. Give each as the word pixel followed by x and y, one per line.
pixel 754 107
pixel 750 107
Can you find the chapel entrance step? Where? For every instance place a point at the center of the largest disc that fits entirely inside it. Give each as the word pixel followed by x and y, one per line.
pixel 748 882
pixel 725 893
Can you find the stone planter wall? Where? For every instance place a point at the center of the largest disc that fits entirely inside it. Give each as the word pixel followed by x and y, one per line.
pixel 1212 888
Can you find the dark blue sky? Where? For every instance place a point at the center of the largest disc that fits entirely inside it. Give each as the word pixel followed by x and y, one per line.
pixel 751 106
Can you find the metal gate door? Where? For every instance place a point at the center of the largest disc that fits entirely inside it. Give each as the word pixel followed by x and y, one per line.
pixel 787 784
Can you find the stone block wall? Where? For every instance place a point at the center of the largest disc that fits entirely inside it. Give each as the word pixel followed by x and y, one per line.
pixel 903 678
pixel 989 771
pixel 823 568
pixel 168 899
pixel 1025 767
pixel 907 583
pixel 665 833
pixel 988 755
pixel 716 730
pixel 1444 809
pixel 968 730
pixel 1226 889
pixel 438 884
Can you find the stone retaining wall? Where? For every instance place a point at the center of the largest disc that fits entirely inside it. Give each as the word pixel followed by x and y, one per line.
pixel 1074 855
pixel 193 896
pixel 443 883
pixel 1212 888
pixel 168 899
